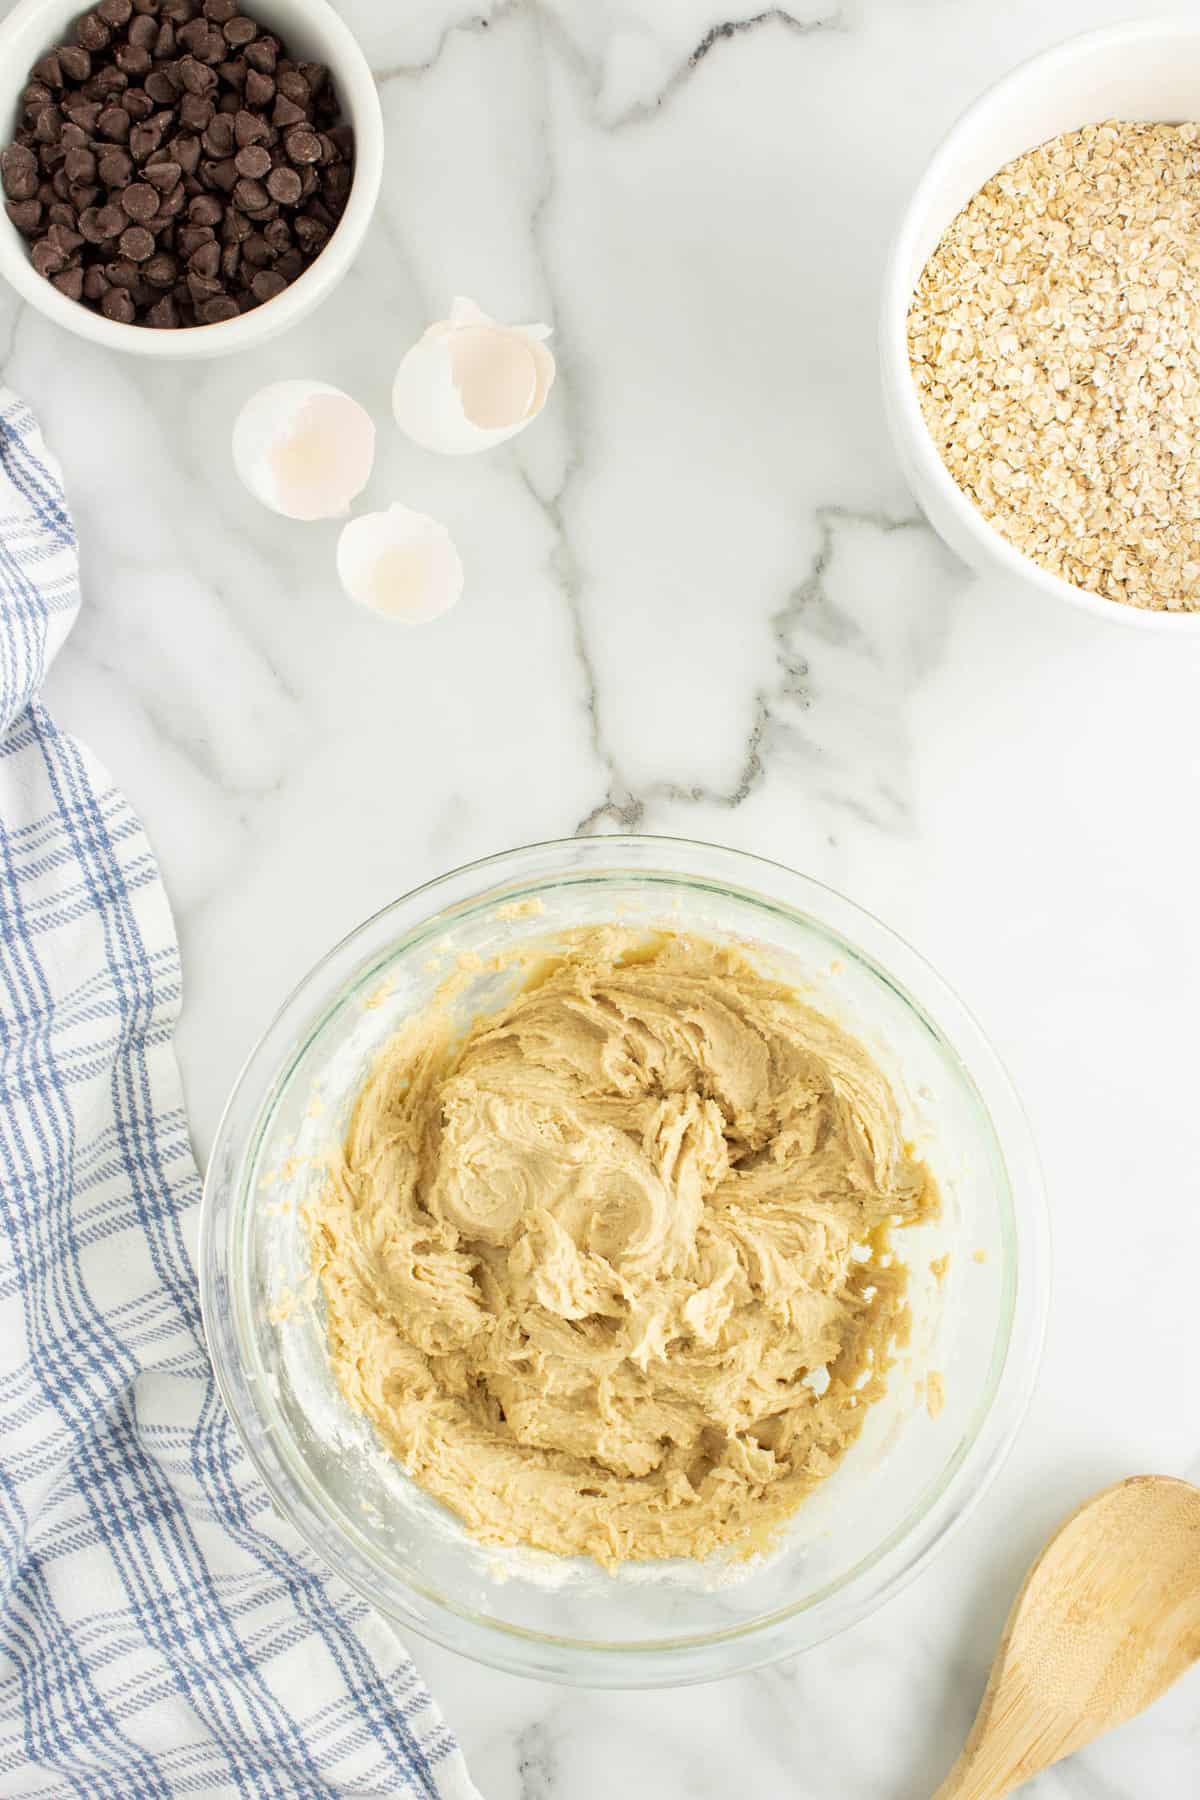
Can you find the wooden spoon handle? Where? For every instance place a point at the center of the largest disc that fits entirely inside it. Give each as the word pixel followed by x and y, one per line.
pixel 967 1780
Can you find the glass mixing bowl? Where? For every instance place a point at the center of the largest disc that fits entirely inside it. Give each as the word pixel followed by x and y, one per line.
pixel 910 1477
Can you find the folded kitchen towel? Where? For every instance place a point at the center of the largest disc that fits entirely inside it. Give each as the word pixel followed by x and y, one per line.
pixel 162 1633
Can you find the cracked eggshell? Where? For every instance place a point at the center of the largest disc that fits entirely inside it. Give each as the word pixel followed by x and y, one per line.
pixel 304 449
pixel 470 383
pixel 400 563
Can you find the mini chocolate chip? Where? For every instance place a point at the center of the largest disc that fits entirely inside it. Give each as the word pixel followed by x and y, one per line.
pixel 316 75
pixel 220 11
pixel 115 168
pixel 72 137
pixel 343 138
pixel 240 31
pixel 161 270
pixel 256 251
pixel 253 161
pixel 162 175
pixel 335 183
pixel 259 89
pixel 137 104
pixel 83 195
pixel 284 185
pixel 164 40
pixel 205 209
pixel 278 235
pixel 117 305
pixel 164 314
pixel 231 256
pixel 206 260
pixel 143 32
pixel 161 88
pixel 140 202
pixel 235 227
pixel 250 196
pixel 70 283
pixel 61 185
pixel 26 215
pixel 19 172
pixel 113 123
pixel 95 283
pixel 250 128
pixel 115 12
pixel 92 31
pixel 302 146
pixel 287 112
pixel 75 63
pixel 230 101
pixel 47 258
pixel 179 11
pixel 137 243
pixel 60 212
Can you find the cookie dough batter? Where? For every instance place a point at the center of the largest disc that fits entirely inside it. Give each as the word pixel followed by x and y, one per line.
pixel 605 1271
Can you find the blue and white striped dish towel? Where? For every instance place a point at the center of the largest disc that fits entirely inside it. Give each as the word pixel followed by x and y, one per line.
pixel 161 1632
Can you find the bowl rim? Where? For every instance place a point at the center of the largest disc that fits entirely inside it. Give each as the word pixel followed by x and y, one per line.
pixel 360 101
pixel 959 1484
pixel 904 407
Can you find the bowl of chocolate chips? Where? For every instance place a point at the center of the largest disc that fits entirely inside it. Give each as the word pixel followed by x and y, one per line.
pixel 183 177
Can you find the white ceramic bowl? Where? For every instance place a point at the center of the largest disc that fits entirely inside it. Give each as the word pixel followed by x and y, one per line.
pixel 312 31
pixel 1139 71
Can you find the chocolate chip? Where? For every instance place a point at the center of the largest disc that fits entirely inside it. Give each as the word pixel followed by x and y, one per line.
pixel 284 185
pixel 75 63
pixel 253 161
pixel 26 215
pixel 143 32
pixel 191 237
pixel 219 139
pixel 267 283
pixel 250 128
pixel 92 32
pixel 259 89
pixel 185 149
pixel 290 264
pixel 220 11
pixel 164 314
pixel 286 113
pixel 118 306
pixel 139 201
pixel 161 270
pixel 206 260
pixel 249 196
pixel 80 165
pixel 302 146
pixel 47 127
pixel 223 174
pixel 115 168
pixel 205 210
pixel 310 234
pixel 161 88
pixel 113 123
pixel 70 283
pixel 239 31
pixel 137 243
pixel 19 172
pixel 115 12
pixel 256 251
pixel 162 175
pixel 95 283
pixel 47 258
pixel 195 77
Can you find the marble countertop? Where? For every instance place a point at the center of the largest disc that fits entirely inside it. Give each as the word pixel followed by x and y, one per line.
pixel 699 601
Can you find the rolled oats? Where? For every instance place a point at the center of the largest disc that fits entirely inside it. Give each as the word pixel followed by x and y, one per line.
pixel 1054 337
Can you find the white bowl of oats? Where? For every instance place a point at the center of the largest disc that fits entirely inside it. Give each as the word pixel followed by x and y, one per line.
pixel 1040 331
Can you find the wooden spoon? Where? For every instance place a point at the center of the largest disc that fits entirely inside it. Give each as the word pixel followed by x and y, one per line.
pixel 1108 1618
